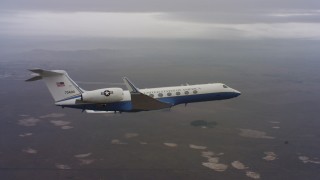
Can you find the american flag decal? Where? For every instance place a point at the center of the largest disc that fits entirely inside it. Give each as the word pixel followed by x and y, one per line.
pixel 60 84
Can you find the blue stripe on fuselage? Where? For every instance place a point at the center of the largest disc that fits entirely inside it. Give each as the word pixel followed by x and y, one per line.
pixel 123 106
pixel 198 98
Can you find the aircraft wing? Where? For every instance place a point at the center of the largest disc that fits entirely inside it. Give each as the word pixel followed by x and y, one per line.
pixel 142 102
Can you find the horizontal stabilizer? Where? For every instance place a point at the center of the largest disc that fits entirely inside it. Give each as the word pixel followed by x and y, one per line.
pixel 39 71
pixel 35 78
pixel 42 72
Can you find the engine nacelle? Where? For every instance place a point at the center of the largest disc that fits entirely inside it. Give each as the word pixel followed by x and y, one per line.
pixel 107 95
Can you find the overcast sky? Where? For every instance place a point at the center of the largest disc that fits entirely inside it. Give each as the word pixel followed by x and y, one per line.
pixel 209 19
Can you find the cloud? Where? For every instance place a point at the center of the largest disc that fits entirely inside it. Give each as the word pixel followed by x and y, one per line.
pixel 213 159
pixel 306 159
pixel 25 134
pixel 117 141
pixel 63 166
pixel 203 19
pixel 82 155
pixel 60 122
pixel 155 5
pixel 270 156
pixel 274 122
pixel 254 134
pixel 66 127
pixel 30 151
pixel 263 31
pixel 278 30
pixel 213 162
pixel 209 154
pixel 238 165
pixel 192 146
pixel 28 121
pixel 86 161
pixel 83 160
pixel 23 115
pixel 53 115
pixel 131 135
pixel 300 15
pixel 215 166
pixel 152 25
pixel 171 144
pixel 96 24
pixel 253 175
pixel 247 17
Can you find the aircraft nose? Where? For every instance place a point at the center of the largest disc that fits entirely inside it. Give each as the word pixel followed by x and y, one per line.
pixel 238 93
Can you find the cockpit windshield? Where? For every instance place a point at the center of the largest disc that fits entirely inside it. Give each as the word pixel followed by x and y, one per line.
pixel 224 86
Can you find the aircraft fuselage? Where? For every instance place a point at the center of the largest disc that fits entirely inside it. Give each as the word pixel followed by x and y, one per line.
pixel 174 95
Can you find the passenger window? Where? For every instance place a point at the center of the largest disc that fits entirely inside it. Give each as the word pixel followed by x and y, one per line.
pixel 151 95
pixel 169 94
pixel 178 93
pixel 186 92
pixel 160 95
pixel 195 92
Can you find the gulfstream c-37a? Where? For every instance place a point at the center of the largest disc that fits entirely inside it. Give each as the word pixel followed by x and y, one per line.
pixel 67 93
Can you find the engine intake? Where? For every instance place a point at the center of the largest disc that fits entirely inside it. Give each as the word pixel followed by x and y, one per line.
pixel 108 95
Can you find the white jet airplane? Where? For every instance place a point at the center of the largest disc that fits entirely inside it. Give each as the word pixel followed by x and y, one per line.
pixel 67 93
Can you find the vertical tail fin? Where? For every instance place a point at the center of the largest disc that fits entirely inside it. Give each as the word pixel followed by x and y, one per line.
pixel 60 85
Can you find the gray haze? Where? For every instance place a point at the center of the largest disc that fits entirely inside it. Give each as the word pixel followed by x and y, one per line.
pixel 268 50
pixel 272 129
pixel 204 19
pixel 159 6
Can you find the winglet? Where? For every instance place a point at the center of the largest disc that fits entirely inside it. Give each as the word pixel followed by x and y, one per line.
pixel 131 87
